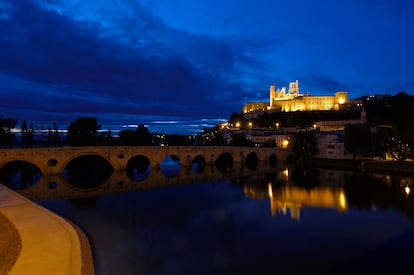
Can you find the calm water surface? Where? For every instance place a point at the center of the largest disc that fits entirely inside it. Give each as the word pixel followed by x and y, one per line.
pixel 284 223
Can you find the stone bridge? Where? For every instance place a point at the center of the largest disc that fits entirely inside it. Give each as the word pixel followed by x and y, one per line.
pixel 52 161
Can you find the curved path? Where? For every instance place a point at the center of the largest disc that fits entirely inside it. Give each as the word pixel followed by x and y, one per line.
pixel 34 240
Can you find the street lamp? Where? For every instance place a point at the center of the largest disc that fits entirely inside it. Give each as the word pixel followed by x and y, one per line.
pixel 250 124
pixel 277 125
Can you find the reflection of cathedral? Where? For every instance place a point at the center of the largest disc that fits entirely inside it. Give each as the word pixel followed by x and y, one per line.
pixel 292 198
pixel 291 100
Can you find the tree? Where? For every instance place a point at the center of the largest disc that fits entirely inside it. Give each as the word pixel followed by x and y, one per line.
pixel 128 137
pixel 398 149
pixel 380 141
pixel 140 137
pixel 304 145
pixel 176 140
pixel 56 136
pixel 240 140
pixel 83 131
pixel 271 142
pixel 236 117
pixel 49 136
pixel 357 139
pixel 6 136
pixel 106 138
pixel 30 135
pixel 24 132
pixel 143 135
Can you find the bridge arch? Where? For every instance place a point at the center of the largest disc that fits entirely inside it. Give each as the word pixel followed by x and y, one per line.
pixel 88 171
pixel 65 162
pixel 252 161
pixel 138 167
pixel 224 162
pixel 272 160
pixel 19 174
pixel 198 164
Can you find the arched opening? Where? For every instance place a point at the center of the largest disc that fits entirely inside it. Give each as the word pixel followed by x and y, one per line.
pixel 19 175
pixel 52 162
pixel 88 171
pixel 252 161
pixel 52 185
pixel 224 162
pixel 198 164
pixel 138 168
pixel 170 166
pixel 273 160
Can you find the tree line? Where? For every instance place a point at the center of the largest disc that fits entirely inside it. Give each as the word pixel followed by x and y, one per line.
pixel 84 131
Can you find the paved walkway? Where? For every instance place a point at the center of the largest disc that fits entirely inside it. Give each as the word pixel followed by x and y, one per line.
pixel 33 240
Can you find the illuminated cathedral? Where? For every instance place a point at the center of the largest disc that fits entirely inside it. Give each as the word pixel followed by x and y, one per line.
pixel 291 100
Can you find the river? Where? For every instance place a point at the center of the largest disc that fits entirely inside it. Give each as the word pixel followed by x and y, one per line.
pixel 278 221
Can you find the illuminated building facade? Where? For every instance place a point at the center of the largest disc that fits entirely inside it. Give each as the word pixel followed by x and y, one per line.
pixel 291 101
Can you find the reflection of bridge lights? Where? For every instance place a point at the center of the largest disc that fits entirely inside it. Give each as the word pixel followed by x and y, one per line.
pixel 407 190
pixel 342 200
pixel 406 184
pixel 269 190
pixel 285 174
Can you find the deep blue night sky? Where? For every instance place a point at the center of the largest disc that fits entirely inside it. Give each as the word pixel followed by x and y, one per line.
pixel 178 66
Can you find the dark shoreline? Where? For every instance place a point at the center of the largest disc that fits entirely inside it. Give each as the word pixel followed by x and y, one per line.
pixel 371 166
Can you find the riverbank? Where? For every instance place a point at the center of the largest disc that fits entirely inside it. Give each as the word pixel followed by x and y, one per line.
pixel 371 166
pixel 38 240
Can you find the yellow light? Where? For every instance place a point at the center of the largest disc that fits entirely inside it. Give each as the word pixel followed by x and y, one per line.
pixel 286 173
pixel 341 101
pixel 342 200
pixel 407 190
pixel 285 143
pixel 250 124
pixel 238 124
pixel 269 190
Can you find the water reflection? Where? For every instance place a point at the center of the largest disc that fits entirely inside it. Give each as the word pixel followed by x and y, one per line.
pixel 290 198
pixel 170 166
pixel 339 190
pixel 87 171
pixel 19 175
pixel 138 168
pixel 51 187
pixel 287 189
pixel 245 222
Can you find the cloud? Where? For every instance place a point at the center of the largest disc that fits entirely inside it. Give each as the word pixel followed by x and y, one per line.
pixel 133 64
